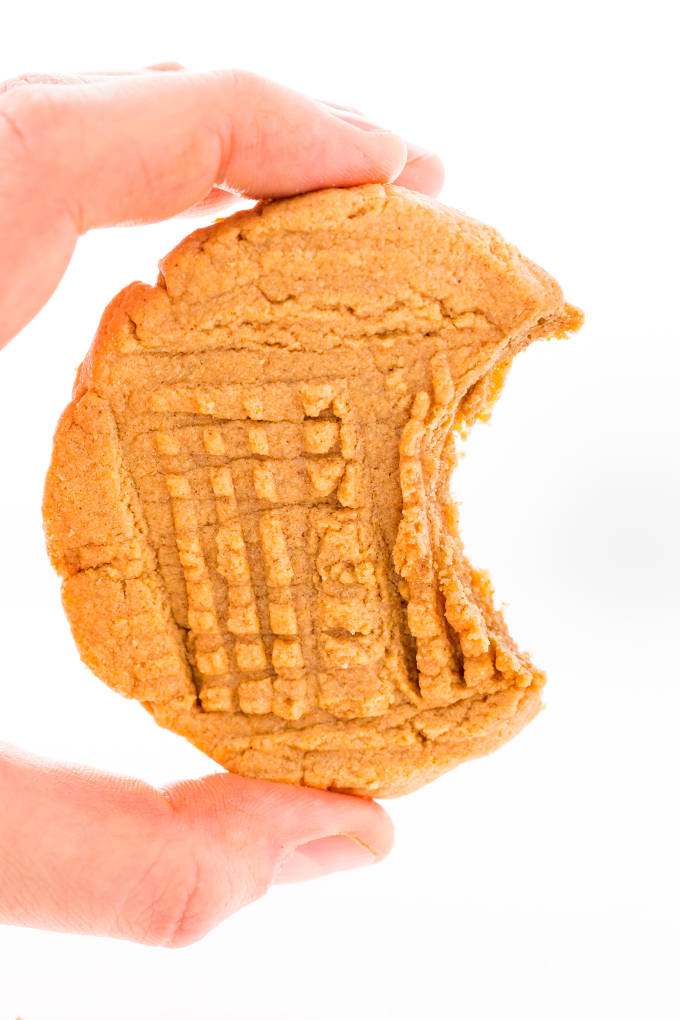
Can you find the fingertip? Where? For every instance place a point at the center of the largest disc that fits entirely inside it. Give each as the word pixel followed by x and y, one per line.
pixel 398 153
pixel 325 813
pixel 423 171
pixel 386 151
pixel 364 834
pixel 384 831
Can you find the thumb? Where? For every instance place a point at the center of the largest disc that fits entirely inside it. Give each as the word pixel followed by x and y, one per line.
pixel 93 853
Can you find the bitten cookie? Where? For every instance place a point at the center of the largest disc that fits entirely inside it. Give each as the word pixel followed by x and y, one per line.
pixel 248 499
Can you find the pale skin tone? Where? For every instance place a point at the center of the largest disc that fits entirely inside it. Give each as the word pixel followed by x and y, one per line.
pixel 80 850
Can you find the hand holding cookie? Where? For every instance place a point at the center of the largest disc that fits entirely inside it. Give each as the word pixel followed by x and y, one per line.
pixel 92 853
pixel 94 150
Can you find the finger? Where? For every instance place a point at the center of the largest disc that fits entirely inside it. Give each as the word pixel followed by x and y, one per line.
pixel 93 853
pixel 428 179
pixel 170 137
pixel 423 170
pixel 141 148
pixel 426 175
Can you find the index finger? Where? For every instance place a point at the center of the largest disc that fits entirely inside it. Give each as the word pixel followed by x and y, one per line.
pixel 143 147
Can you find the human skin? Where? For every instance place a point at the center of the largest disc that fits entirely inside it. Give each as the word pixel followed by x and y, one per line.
pixel 80 850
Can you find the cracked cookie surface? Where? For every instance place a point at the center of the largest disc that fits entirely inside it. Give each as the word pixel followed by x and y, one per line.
pixel 248 498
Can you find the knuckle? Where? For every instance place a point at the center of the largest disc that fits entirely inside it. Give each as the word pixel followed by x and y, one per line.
pixel 28 116
pixel 169 905
pixel 245 80
pixel 191 879
pixel 20 80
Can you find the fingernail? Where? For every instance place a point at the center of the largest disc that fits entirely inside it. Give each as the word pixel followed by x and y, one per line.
pixel 417 152
pixel 339 108
pixel 359 121
pixel 165 65
pixel 322 857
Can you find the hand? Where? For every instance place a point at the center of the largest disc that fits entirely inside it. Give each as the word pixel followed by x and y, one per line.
pixel 79 850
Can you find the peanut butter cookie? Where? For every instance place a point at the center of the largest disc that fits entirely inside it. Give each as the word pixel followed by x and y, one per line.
pixel 248 499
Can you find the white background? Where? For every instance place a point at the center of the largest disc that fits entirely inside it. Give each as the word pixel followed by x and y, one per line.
pixel 539 883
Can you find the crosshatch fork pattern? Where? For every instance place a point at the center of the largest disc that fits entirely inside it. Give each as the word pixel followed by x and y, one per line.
pixel 251 645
